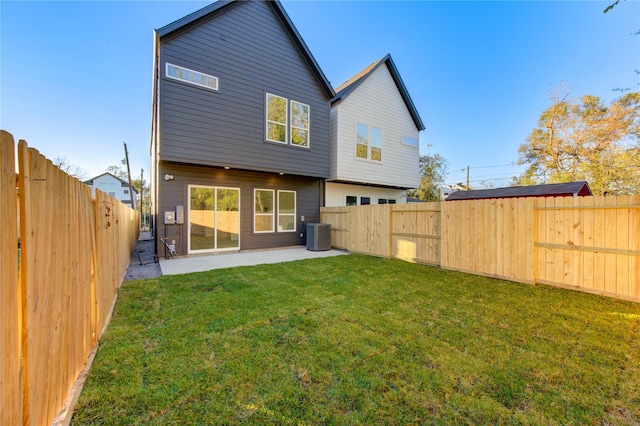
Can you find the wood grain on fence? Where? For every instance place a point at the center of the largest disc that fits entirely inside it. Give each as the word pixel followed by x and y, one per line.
pixel 10 312
pixel 491 237
pixel 50 306
pixel 338 218
pixel 409 232
pixel 415 232
pixel 590 244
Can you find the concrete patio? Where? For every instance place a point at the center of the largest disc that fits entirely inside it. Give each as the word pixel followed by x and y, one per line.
pixel 187 265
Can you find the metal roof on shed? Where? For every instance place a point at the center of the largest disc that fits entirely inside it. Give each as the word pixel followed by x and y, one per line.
pixel 579 188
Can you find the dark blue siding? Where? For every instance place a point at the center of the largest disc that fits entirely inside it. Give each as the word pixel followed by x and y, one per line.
pixel 249 49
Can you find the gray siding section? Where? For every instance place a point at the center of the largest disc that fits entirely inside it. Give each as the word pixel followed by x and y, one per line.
pixel 248 48
pixel 176 192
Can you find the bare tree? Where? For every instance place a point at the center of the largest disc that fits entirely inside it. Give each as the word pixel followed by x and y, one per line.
pixel 72 170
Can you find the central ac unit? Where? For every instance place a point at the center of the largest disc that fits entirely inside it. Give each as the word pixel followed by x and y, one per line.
pixel 318 236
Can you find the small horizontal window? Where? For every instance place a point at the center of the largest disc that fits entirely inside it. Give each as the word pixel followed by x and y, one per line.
pixel 365 201
pixel 192 77
pixel 410 141
pixel 352 200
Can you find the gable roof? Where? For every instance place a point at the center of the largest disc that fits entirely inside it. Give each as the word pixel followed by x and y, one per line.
pixel 346 88
pixel 579 188
pixel 221 5
pixel 122 182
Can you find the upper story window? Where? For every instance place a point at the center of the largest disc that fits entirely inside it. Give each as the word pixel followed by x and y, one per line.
pixel 368 142
pixel 299 124
pixel 352 200
pixel 192 77
pixel 280 128
pixel 410 141
pixel 276 118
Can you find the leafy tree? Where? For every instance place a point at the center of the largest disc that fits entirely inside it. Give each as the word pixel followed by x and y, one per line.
pixel 584 139
pixel 637 71
pixel 611 6
pixel 118 172
pixel 433 170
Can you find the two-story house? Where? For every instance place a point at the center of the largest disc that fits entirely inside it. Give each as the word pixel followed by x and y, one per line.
pixel 374 139
pixel 114 187
pixel 240 130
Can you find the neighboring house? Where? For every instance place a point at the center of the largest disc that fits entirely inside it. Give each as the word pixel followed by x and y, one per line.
pixel 114 187
pixel 570 189
pixel 374 139
pixel 240 130
pixel 445 191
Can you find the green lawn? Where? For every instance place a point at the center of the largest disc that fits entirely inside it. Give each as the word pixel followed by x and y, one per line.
pixel 362 340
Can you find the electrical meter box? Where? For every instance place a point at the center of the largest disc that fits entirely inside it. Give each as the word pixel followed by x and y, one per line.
pixel 169 218
pixel 180 214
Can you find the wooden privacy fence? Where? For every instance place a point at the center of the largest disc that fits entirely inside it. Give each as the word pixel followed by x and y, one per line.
pixel 403 231
pixel 58 291
pixel 589 244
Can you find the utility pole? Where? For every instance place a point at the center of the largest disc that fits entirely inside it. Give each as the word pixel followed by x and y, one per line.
pixel 142 198
pixel 467 178
pixel 126 156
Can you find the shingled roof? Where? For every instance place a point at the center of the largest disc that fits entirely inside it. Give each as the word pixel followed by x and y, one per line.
pixel 580 188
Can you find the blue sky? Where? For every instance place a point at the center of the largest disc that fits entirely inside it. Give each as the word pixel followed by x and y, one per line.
pixel 75 77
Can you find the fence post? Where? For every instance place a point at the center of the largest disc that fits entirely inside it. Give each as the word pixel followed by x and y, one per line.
pixel 390 213
pixel 534 212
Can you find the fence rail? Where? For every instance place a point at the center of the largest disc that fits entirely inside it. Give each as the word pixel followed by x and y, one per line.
pixel 59 288
pixel 590 244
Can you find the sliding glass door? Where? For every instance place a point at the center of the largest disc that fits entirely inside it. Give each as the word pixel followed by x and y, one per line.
pixel 214 219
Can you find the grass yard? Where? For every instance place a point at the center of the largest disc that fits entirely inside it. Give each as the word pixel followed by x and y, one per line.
pixel 361 340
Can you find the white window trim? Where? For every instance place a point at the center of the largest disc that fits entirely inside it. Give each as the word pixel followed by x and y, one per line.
pixel 217 81
pixel 267 121
pixel 272 214
pixel 369 145
pixel 308 129
pixel 294 214
pixel 288 123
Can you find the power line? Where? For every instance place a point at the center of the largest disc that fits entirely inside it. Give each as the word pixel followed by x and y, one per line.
pixel 482 167
pixel 488 167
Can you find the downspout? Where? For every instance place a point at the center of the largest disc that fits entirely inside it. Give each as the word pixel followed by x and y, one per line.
pixel 153 148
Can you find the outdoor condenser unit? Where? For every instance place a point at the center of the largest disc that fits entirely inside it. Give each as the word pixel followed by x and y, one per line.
pixel 318 236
